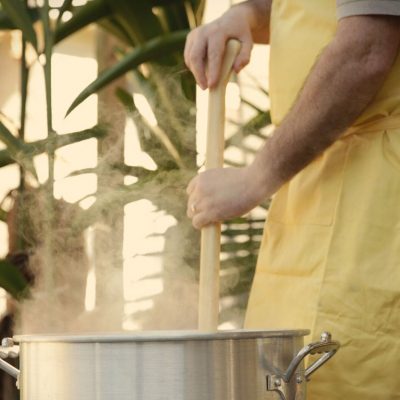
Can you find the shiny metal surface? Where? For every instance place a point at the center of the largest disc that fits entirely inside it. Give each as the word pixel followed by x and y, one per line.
pixel 9 350
pixel 166 365
pixel 5 366
pixel 279 382
pixel 162 336
pixel 325 346
pixel 7 342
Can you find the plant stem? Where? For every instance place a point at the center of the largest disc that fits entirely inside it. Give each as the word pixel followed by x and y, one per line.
pixel 48 48
pixel 48 271
pixel 24 92
pixel 20 220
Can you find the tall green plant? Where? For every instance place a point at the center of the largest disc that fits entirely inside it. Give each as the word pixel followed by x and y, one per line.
pixel 156 40
pixel 15 15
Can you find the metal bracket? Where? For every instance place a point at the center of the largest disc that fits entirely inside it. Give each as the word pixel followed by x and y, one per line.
pixel 274 384
pixel 9 349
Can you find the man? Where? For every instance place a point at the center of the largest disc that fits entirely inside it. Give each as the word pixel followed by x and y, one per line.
pixel 330 257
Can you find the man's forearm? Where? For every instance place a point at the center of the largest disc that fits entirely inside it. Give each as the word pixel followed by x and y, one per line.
pixel 342 83
pixel 258 13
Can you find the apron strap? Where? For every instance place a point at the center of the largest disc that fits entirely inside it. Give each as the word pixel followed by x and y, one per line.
pixel 381 124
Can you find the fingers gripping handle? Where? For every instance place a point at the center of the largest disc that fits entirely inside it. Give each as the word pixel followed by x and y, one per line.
pixel 210 235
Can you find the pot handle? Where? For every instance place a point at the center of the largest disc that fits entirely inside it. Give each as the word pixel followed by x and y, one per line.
pixel 8 349
pixel 278 383
pixel 326 345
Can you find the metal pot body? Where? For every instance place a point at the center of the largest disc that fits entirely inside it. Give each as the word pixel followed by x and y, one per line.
pixel 243 365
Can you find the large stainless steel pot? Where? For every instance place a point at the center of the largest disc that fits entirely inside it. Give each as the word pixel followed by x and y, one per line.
pixel 239 365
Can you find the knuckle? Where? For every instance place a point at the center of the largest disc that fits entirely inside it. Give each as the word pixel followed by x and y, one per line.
pixel 213 31
pixel 193 33
pixel 196 58
pixel 214 53
pixel 216 26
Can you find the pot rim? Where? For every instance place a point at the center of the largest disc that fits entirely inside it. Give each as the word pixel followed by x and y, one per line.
pixel 163 336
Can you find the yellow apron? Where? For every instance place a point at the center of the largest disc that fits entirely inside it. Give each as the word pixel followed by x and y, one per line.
pixel 330 257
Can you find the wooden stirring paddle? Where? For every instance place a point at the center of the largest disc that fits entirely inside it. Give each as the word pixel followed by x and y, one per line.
pixel 211 235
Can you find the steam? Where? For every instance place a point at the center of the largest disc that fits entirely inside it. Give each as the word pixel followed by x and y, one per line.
pixel 57 303
pixel 88 263
pixel 69 245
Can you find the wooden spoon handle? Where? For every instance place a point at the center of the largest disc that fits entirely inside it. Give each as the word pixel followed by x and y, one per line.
pixel 211 235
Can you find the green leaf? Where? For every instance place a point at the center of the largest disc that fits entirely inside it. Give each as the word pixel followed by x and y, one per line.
pixel 9 139
pixel 252 127
pixel 67 4
pixel 128 102
pixel 173 17
pixel 162 3
pixel 150 51
pixel 126 99
pixel 7 24
pixel 15 148
pixel 163 188
pixel 30 150
pixel 112 26
pixel 12 280
pixel 198 7
pixel 18 13
pixel 251 105
pixel 137 19
pixel 91 12
pixel 3 215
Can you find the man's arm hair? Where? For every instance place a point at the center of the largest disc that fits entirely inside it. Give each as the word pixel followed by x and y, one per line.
pixel 343 82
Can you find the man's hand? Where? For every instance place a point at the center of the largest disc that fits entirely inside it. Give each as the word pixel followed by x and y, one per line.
pixel 205 46
pixel 223 193
pixel 345 79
